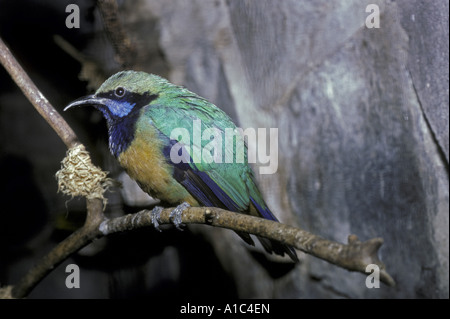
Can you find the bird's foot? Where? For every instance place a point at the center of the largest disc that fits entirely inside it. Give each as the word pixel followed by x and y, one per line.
pixel 175 215
pixel 156 215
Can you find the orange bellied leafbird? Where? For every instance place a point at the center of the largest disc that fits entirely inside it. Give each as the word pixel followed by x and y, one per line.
pixel 150 124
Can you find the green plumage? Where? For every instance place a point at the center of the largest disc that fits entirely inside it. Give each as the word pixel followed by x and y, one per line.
pixel 234 178
pixel 143 110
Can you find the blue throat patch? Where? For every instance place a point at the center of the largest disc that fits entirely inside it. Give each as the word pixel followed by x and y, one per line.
pixel 120 108
pixel 121 115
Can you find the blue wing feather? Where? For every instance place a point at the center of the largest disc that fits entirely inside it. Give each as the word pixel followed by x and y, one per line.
pixel 207 184
pixel 198 183
pixel 264 211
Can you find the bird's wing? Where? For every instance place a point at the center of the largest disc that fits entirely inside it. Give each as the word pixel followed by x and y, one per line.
pixel 225 185
pixel 217 184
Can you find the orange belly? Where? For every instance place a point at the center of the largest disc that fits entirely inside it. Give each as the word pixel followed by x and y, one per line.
pixel 145 163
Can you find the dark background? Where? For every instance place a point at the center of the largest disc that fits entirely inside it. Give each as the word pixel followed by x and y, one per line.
pixel 363 142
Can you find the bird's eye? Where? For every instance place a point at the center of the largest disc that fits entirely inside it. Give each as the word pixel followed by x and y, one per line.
pixel 120 91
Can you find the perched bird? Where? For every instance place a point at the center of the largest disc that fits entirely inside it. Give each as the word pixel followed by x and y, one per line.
pixel 142 110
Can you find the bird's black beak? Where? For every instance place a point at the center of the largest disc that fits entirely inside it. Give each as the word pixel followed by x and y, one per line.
pixel 87 100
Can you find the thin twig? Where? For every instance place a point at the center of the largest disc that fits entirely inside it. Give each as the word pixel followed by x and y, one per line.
pixel 355 256
pixel 36 98
pixel 63 250
pixel 91 71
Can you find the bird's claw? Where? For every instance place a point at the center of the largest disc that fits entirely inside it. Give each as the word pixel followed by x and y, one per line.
pixel 175 215
pixel 156 215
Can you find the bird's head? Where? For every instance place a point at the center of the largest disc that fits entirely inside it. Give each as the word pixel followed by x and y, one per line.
pixel 121 99
pixel 123 93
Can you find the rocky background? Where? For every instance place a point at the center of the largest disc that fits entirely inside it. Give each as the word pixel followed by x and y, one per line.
pixel 362 118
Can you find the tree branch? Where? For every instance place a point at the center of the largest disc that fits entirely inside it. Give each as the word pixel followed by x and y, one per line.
pixel 63 250
pixel 41 104
pixel 355 256
pixel 95 216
